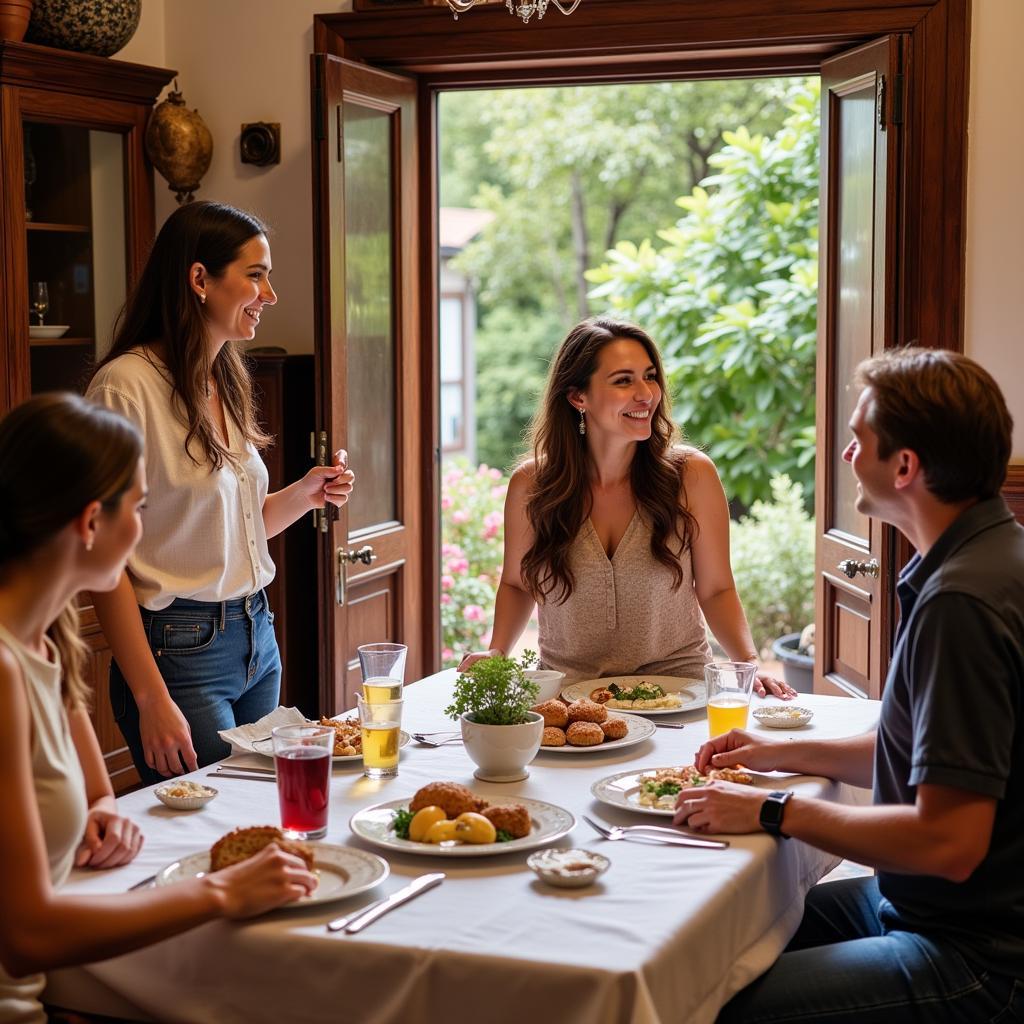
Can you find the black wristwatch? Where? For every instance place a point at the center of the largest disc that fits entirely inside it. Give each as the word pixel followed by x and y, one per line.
pixel 772 810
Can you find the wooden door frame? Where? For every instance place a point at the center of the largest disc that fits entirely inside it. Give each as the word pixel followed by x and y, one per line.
pixel 647 40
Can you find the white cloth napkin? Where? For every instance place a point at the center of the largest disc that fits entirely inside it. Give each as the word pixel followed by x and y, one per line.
pixel 242 737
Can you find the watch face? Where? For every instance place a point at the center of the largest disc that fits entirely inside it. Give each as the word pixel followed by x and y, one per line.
pixel 771 812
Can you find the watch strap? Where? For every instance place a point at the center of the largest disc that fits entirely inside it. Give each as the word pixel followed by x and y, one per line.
pixel 772 811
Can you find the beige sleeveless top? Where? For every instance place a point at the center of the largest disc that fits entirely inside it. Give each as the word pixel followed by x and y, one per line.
pixel 60 793
pixel 623 617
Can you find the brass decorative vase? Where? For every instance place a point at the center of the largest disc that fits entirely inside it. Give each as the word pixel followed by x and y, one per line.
pixel 14 18
pixel 101 27
pixel 179 144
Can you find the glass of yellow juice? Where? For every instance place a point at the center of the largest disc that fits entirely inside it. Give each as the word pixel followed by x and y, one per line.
pixel 730 684
pixel 383 670
pixel 380 723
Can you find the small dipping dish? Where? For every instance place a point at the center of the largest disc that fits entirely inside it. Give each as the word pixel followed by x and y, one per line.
pixel 569 869
pixel 184 796
pixel 782 716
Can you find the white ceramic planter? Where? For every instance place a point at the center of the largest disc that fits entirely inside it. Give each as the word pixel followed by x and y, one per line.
pixel 502 752
pixel 549 681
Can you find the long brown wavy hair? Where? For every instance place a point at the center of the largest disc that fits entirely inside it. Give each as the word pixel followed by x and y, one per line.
pixel 560 499
pixel 97 452
pixel 163 309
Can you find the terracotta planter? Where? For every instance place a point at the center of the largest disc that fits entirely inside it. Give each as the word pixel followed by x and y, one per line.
pixel 14 18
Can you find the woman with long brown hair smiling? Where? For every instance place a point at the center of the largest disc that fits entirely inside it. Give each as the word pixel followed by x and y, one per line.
pixel 620 534
pixel 189 626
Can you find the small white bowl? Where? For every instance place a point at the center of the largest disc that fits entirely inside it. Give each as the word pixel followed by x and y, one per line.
pixel 549 681
pixel 783 716
pixel 184 803
pixel 568 869
pixel 48 330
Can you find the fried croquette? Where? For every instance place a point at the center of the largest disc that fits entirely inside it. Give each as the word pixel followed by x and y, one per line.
pixel 511 818
pixel 553 737
pixel 584 734
pixel 584 710
pixel 615 728
pixel 452 797
pixel 553 712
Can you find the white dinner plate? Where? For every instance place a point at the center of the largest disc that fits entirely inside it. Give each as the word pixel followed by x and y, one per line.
pixel 692 691
pixel 264 747
pixel 622 790
pixel 639 730
pixel 549 823
pixel 343 871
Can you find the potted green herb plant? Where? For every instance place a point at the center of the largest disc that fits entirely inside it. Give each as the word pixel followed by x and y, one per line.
pixel 492 705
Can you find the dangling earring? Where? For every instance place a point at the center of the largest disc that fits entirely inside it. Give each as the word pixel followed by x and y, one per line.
pixel 88 544
pixel 202 298
pixel 583 422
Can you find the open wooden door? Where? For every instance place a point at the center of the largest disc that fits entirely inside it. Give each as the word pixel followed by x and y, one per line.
pixel 367 337
pixel 861 122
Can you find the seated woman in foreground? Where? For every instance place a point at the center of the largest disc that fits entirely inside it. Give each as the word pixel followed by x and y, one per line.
pixel 619 535
pixel 72 484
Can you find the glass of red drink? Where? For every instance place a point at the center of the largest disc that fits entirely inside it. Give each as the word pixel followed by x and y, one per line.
pixel 302 757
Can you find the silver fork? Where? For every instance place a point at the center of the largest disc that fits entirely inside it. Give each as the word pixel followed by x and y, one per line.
pixel 653 834
pixel 425 739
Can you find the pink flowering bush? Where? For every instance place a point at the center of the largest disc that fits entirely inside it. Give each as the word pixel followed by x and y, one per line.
pixel 472 535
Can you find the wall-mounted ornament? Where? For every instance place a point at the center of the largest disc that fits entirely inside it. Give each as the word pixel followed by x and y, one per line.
pixel 14 17
pixel 260 143
pixel 101 27
pixel 179 144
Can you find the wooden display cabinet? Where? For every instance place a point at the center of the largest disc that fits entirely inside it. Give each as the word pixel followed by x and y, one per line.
pixel 76 212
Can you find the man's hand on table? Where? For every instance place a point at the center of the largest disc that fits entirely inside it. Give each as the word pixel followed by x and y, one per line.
pixel 739 747
pixel 720 807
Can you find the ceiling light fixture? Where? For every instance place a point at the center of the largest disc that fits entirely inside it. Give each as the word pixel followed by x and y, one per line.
pixel 524 9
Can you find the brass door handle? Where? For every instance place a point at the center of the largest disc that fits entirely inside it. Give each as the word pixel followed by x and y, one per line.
pixel 851 566
pixel 364 554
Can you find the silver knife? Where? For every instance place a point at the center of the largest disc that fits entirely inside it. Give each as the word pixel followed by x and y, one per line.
pixel 339 923
pixel 413 889
pixel 238 775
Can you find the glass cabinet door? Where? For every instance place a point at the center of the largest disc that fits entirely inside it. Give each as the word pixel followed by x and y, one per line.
pixel 76 259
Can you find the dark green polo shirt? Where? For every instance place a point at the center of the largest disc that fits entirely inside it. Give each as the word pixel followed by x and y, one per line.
pixel 953 715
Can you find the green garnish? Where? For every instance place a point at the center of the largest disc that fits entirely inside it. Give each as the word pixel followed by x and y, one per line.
pixel 642 691
pixel 400 822
pixel 667 789
pixel 503 836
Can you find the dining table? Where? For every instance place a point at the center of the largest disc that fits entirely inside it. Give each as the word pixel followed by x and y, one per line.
pixel 667 933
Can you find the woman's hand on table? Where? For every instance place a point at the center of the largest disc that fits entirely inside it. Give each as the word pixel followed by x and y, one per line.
pixel 110 840
pixel 739 747
pixel 329 485
pixel 765 683
pixel 261 883
pixel 475 656
pixel 166 738
pixel 719 807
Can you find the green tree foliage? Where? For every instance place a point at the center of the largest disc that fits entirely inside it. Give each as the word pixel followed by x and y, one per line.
pixel 568 172
pixel 512 355
pixel 731 298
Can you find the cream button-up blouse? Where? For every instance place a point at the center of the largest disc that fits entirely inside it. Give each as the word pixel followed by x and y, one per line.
pixel 203 533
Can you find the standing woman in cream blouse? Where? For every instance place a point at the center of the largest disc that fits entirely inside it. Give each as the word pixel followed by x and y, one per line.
pixel 619 535
pixel 56 803
pixel 192 637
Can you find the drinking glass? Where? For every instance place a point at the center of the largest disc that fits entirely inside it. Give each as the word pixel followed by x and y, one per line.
pixel 40 300
pixel 383 669
pixel 729 687
pixel 302 757
pixel 381 725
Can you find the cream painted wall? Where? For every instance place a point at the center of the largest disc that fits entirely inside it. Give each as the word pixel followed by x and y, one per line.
pixel 240 61
pixel 995 206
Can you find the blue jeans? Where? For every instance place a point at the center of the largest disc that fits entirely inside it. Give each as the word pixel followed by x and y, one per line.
pixel 222 668
pixel 849 962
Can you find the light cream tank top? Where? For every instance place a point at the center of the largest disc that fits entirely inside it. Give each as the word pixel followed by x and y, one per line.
pixel 60 793
pixel 624 617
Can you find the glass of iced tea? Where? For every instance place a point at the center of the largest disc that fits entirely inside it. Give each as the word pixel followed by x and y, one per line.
pixel 381 726
pixel 729 687
pixel 302 757
pixel 383 670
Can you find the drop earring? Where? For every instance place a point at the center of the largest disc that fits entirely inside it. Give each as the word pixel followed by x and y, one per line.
pixel 583 422
pixel 88 544
pixel 202 298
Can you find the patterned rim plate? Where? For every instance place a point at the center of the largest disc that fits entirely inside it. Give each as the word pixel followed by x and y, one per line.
pixel 549 823
pixel 622 790
pixel 692 691
pixel 260 748
pixel 343 871
pixel 639 730
pixel 782 716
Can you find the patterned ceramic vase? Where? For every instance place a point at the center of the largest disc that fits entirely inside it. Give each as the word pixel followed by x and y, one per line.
pixel 101 27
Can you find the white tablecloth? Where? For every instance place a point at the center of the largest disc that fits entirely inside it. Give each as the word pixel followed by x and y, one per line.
pixel 668 934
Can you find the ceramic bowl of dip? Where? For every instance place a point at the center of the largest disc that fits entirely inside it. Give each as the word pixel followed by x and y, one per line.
pixel 568 869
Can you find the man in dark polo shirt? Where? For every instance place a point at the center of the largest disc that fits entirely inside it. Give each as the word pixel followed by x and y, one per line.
pixel 938 933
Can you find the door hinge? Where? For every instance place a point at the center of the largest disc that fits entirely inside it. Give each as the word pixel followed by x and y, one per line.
pixel 880 91
pixel 319 121
pixel 318 452
pixel 897 99
pixel 339 580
